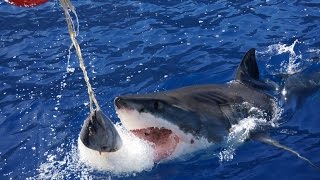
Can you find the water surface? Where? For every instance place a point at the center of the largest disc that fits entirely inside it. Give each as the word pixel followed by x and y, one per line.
pixel 148 46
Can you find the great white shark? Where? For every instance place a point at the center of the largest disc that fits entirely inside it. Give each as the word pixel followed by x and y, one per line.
pixel 203 110
pixel 190 116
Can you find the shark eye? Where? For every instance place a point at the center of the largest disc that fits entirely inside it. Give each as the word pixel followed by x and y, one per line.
pixel 156 105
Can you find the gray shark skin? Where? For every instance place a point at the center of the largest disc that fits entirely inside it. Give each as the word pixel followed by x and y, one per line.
pixel 207 111
pixel 98 133
pixel 304 82
pixel 297 88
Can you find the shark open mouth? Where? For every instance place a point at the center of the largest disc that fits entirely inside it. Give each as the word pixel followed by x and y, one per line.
pixel 165 137
pixel 163 140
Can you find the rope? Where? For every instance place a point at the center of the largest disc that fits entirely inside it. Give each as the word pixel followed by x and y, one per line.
pixel 67 6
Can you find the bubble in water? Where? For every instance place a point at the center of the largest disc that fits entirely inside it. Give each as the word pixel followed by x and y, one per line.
pixel 70 69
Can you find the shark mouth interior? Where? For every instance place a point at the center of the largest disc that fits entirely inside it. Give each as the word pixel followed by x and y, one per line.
pixel 163 140
pixel 164 137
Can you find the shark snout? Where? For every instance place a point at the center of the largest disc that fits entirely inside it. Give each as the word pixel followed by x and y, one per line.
pixel 120 102
pixel 128 103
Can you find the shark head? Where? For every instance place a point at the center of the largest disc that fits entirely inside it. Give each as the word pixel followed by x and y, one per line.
pixel 159 111
pixel 99 134
pixel 163 120
pixel 158 119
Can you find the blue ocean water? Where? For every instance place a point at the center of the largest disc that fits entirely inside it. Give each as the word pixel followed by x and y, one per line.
pixel 147 46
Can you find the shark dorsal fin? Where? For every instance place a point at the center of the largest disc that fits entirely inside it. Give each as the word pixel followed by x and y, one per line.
pixel 248 71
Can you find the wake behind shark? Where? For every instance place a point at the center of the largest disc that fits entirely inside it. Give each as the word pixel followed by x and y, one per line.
pixel 188 118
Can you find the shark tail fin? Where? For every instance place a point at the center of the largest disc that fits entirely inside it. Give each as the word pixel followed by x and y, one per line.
pixel 272 142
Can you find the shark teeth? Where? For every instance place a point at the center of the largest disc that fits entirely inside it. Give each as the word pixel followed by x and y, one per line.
pixel 163 140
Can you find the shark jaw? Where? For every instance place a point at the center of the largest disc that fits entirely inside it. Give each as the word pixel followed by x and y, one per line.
pixel 167 139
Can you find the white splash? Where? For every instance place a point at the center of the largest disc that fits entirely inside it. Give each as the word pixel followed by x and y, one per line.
pixel 135 155
pixel 292 66
pixel 316 51
pixel 240 132
pixel 55 168
pixel 69 68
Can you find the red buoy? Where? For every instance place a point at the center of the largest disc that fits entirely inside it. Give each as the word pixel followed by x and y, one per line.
pixel 26 3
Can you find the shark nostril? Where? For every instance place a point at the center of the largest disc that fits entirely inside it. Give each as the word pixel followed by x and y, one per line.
pixel 141 110
pixel 156 105
pixel 104 148
pixel 118 101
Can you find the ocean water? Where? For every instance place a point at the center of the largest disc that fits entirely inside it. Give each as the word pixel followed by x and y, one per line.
pixel 149 46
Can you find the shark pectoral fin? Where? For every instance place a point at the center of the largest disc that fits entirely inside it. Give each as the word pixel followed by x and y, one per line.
pixel 267 140
pixel 216 134
pixel 234 113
